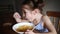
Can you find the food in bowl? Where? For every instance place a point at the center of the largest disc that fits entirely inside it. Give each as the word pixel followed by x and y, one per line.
pixel 24 28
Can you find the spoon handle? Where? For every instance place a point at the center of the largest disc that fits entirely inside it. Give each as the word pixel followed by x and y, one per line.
pixel 33 28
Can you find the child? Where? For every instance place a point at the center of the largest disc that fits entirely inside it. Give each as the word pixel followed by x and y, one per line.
pixel 32 13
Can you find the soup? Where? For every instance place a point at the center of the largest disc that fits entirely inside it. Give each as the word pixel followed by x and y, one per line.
pixel 24 28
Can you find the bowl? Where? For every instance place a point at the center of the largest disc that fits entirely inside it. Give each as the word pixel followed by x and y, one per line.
pixel 22 27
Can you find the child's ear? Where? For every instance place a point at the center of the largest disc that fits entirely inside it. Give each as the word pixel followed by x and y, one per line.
pixel 36 11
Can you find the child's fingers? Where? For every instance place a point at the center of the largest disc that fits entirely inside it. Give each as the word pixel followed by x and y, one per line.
pixel 16 15
pixel 29 30
pixel 26 32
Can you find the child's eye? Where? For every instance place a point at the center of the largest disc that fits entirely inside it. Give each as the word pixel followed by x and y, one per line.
pixel 25 13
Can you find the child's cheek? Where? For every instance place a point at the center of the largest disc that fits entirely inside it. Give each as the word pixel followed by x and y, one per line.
pixel 28 16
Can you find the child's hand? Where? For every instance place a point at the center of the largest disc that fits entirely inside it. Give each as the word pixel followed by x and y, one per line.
pixel 17 17
pixel 29 32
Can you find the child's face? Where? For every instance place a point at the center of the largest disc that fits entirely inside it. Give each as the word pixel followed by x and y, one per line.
pixel 27 12
pixel 30 14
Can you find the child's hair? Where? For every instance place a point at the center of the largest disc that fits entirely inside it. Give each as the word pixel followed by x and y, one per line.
pixel 38 4
pixel 29 3
pixel 34 4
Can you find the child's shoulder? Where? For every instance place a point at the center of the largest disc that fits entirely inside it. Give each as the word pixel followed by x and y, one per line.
pixel 45 16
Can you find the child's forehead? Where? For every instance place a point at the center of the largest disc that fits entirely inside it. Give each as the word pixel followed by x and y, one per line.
pixel 26 6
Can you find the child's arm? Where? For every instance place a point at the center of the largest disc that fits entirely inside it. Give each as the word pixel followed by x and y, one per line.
pixel 48 24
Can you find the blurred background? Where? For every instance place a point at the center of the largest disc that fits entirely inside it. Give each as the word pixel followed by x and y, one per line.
pixel 8 7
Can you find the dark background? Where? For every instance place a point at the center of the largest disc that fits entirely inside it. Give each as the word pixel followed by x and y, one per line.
pixel 8 7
